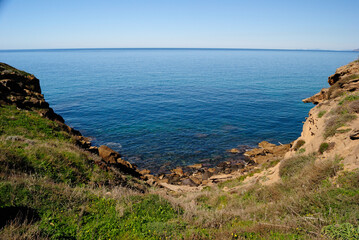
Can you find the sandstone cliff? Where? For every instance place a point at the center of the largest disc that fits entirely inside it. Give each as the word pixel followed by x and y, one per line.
pixel 332 128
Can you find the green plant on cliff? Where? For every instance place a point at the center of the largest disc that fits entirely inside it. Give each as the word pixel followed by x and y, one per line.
pixel 321 113
pixel 299 144
pixel 323 147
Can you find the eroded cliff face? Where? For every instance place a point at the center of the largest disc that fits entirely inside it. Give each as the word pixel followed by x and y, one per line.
pixel 332 128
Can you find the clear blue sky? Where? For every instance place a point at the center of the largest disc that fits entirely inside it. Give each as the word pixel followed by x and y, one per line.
pixel 283 24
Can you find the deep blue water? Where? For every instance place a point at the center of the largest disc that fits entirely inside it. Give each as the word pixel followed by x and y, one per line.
pixel 173 106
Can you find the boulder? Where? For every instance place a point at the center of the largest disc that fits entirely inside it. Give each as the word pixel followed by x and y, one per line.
pixel 196 166
pixel 178 171
pixel 108 155
pixel 113 158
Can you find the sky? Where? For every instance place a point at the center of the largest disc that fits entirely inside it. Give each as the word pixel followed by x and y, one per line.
pixel 268 24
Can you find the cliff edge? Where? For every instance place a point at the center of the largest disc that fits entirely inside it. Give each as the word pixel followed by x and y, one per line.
pixel 332 127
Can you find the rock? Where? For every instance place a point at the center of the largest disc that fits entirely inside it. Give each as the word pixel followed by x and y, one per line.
pixel 113 158
pixel 318 98
pixel 343 72
pixel 196 180
pixel 211 170
pixel 178 171
pixel 189 182
pixel 173 178
pixel 108 155
pixel 234 151
pixel 255 152
pixel 196 166
pixel 354 135
pixel 93 149
pixel 206 175
pixel 266 145
pixel 345 79
pixel 145 172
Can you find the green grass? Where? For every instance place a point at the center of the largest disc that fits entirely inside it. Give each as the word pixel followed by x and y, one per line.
pixel 29 125
pixel 68 213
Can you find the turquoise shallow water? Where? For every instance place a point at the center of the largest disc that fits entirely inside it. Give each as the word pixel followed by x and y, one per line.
pixel 176 107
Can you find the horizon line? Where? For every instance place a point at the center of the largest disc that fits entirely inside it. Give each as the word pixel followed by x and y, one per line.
pixel 175 48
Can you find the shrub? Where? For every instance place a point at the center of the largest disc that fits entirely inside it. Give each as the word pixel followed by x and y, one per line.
pixel 349 98
pixel 321 113
pixel 323 147
pixel 353 107
pixel 292 166
pixel 301 150
pixel 340 118
pixel 299 144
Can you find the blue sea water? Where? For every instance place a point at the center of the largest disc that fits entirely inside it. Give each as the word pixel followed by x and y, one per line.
pixel 180 106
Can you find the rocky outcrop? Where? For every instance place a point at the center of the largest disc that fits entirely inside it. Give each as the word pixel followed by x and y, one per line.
pixel 345 79
pixel 332 127
pixel 23 90
pixel 267 152
pixel 113 158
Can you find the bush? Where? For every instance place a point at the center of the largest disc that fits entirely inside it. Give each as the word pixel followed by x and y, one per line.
pixel 349 98
pixel 299 144
pixel 323 147
pixel 292 166
pixel 321 113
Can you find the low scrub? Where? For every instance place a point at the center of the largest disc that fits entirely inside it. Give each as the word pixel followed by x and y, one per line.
pixel 299 144
pixel 323 147
pixel 340 116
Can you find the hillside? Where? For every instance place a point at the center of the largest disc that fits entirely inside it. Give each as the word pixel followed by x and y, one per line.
pixel 55 185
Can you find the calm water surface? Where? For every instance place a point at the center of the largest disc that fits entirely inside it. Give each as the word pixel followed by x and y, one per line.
pixel 176 107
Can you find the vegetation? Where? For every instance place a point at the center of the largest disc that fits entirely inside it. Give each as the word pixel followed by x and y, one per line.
pixel 341 115
pixel 321 113
pixel 323 147
pixel 63 194
pixel 299 144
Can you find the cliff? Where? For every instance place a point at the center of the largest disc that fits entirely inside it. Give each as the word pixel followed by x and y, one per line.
pixel 332 126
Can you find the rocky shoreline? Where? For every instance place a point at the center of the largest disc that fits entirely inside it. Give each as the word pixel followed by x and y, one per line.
pixel 23 90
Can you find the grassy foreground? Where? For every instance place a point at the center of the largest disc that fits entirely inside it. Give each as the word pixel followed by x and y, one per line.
pixel 62 194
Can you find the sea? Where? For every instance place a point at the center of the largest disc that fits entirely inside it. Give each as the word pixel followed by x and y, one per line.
pixel 162 108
